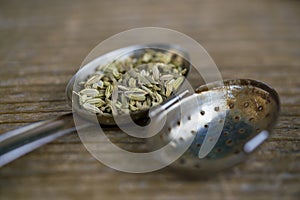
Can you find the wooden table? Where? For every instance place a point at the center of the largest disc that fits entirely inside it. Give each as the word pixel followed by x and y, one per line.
pixel 43 44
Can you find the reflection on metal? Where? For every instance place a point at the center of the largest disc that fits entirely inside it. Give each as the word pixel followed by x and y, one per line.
pixel 252 144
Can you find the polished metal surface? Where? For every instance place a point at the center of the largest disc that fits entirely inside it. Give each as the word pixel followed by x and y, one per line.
pixel 216 126
pixel 223 121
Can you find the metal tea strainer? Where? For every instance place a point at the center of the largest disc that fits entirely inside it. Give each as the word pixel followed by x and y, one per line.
pixel 217 126
pixel 221 124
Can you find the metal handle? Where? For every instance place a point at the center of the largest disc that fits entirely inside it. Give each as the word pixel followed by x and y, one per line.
pixel 18 142
pixel 161 108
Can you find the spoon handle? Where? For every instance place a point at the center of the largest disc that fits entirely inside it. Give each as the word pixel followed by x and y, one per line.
pixel 18 142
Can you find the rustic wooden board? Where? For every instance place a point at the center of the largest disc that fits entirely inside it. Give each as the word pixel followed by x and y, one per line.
pixel 43 44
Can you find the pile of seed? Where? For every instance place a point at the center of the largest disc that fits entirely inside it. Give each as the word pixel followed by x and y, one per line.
pixel 132 84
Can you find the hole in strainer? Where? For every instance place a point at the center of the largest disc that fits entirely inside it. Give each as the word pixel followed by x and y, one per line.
pixel 226 133
pixel 229 142
pixel 251 119
pixel 241 130
pixel 237 118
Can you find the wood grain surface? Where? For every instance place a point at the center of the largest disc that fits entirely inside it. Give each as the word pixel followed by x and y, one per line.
pixel 44 42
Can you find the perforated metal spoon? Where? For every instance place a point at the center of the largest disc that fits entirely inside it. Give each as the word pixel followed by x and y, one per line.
pixel 219 125
pixel 248 109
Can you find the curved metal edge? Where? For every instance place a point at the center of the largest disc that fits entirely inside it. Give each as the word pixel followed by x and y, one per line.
pixel 172 47
pixel 241 82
